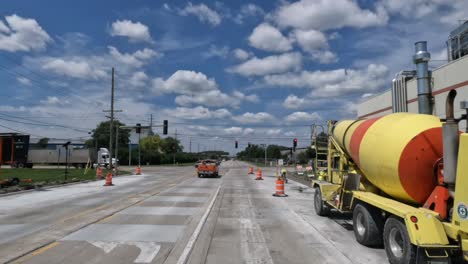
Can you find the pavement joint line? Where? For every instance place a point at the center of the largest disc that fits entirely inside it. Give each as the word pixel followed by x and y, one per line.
pixel 188 248
pixel 27 254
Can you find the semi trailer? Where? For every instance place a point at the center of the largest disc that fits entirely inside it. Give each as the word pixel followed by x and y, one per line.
pixel 15 151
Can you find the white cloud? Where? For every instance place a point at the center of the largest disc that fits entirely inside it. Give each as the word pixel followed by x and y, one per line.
pixel 302 117
pixel 311 40
pixel 138 79
pixel 22 34
pixel 75 67
pixel 198 112
pixel 53 100
pixel 215 51
pixel 248 131
pixel 334 82
pixel 202 12
pixel 233 130
pixel 290 134
pixel 241 54
pixel 136 32
pixel 253 98
pixel 315 43
pixel 273 132
pixel 266 37
pixel 137 59
pixel 251 118
pixel 24 81
pixel 324 57
pixel 197 88
pixel 269 65
pixel 448 11
pixel 294 102
pixel 325 14
pixel 185 82
pixel 248 10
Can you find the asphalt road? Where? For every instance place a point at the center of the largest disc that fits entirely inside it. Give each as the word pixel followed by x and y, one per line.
pixel 159 217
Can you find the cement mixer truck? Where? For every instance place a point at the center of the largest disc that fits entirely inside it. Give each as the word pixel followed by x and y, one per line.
pixel 404 177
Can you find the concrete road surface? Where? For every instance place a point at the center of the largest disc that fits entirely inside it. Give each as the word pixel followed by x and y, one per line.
pixel 168 215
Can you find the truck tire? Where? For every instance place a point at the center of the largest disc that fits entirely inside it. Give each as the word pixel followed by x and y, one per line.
pixel 320 207
pixel 368 225
pixel 199 175
pixel 20 165
pixel 397 242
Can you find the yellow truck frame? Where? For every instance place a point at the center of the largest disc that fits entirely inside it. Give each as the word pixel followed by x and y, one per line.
pixel 415 234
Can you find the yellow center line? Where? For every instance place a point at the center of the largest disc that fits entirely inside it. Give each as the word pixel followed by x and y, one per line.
pixel 38 252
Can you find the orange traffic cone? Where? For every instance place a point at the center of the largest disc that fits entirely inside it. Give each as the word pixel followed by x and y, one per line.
pixel 280 189
pixel 99 173
pixel 138 170
pixel 251 170
pixel 109 179
pixel 259 175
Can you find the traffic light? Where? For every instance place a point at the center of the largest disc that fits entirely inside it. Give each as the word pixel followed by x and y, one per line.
pixel 236 144
pixel 138 128
pixel 294 144
pixel 165 124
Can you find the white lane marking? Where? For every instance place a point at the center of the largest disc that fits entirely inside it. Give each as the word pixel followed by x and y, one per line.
pixel 188 248
pixel 148 250
pixel 104 245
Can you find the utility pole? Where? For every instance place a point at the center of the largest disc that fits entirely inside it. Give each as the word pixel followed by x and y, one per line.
pixel 150 132
pixel 112 111
pixel 173 156
pixel 111 121
pixel 190 145
pixel 129 153
pixel 116 147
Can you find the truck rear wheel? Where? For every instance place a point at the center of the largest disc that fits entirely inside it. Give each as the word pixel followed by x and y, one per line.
pixel 320 207
pixel 397 242
pixel 368 224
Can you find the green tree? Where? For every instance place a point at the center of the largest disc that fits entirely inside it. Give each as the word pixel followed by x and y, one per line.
pixel 151 149
pixel 171 145
pixel 101 135
pixel 43 142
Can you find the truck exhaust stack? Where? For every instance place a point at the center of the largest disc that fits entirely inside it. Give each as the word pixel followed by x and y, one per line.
pixel 451 141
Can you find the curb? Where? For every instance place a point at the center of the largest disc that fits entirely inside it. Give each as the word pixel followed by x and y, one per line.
pixel 56 186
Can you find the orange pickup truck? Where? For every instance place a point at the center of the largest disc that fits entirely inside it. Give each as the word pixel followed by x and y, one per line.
pixel 207 168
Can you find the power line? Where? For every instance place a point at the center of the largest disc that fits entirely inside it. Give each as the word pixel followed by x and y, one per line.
pixel 41 124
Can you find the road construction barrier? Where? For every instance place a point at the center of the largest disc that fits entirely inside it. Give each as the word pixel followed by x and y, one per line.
pixel 259 175
pixel 109 179
pixel 280 189
pixel 251 170
pixel 138 170
pixel 99 173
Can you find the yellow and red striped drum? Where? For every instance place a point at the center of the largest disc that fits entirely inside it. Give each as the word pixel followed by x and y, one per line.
pixel 396 153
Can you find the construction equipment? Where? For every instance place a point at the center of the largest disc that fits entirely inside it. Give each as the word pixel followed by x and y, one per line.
pixel 404 177
pixel 320 145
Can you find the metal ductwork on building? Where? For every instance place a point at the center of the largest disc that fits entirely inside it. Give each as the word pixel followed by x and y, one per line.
pixel 421 59
pixel 399 91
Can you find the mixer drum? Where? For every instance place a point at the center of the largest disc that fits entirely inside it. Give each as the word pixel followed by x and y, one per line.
pixel 396 152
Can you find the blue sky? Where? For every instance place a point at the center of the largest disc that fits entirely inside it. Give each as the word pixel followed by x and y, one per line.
pixel 252 71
